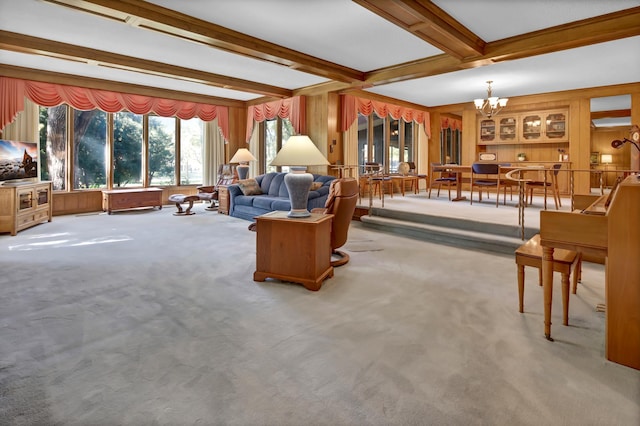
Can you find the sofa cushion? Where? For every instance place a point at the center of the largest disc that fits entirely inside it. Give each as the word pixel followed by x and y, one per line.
pixel 316 185
pixel 264 202
pixel 282 204
pixel 249 187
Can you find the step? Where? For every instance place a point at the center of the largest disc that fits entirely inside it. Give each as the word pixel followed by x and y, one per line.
pixel 455 223
pixel 450 235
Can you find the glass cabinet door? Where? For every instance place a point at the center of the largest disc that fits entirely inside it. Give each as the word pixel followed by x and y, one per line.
pixel 43 196
pixel 531 127
pixel 25 200
pixel 508 129
pixel 555 126
pixel 487 130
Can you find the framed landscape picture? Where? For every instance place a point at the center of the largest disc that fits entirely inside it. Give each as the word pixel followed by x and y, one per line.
pixel 594 158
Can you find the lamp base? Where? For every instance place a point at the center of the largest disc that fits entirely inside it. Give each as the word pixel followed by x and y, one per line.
pixel 298 183
pixel 243 171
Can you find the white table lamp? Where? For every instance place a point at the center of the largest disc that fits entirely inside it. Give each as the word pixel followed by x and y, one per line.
pixel 242 156
pixel 298 153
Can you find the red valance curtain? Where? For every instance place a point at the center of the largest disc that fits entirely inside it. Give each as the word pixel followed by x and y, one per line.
pixel 352 105
pixel 13 91
pixel 291 108
pixel 450 123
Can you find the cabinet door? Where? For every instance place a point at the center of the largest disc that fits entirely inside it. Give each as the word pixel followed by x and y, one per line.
pixel 555 127
pixel 508 129
pixel 532 128
pixel 25 199
pixel 43 196
pixel 487 131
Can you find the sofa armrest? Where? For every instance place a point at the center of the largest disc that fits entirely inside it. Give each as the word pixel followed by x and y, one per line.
pixel 234 190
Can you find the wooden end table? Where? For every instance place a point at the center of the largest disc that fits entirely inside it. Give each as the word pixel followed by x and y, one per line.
pixel 294 249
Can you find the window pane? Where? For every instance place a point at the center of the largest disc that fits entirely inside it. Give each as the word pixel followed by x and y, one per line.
pixel 162 150
pixel 378 139
pixel 287 131
pixel 127 149
pixel 394 145
pixel 191 151
pixel 363 146
pixel 270 144
pixel 89 149
pixel 408 142
pixel 53 145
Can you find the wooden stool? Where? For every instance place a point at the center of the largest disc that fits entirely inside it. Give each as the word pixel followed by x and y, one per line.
pixel 181 198
pixel 564 261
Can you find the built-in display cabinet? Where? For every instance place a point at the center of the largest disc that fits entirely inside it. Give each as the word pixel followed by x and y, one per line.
pixel 23 205
pixel 525 128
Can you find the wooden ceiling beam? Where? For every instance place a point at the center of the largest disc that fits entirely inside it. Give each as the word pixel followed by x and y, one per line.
pixel 38 46
pixel 586 32
pixel 427 21
pixel 152 17
pixel 610 114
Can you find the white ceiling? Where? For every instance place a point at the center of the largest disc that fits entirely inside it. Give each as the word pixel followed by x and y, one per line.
pixel 339 31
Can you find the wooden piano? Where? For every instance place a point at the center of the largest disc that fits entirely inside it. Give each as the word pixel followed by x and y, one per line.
pixel 609 228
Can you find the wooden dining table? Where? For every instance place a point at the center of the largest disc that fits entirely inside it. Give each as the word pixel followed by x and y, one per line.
pixel 459 170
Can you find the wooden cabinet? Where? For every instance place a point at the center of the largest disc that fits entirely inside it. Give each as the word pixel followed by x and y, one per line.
pixel 223 199
pixel 23 205
pixel 525 128
pixel 294 249
pixel 549 126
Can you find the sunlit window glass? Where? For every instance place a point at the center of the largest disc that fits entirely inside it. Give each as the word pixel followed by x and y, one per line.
pixel 191 151
pixel 89 149
pixel 53 145
pixel 162 150
pixel 127 149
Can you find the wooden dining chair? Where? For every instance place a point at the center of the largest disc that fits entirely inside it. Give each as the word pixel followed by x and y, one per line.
pixel 486 176
pixel 376 178
pixel 441 177
pixel 414 172
pixel 551 186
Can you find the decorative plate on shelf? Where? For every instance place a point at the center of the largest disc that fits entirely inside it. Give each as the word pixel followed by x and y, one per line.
pixel 488 156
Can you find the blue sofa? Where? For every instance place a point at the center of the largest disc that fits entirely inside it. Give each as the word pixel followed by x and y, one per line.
pixel 274 196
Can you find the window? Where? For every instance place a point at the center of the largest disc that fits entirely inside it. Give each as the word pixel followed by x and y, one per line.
pixel 127 149
pixel 275 134
pixel 191 151
pixel 162 150
pixel 118 148
pixel 89 149
pixel 385 141
pixel 450 141
pixel 53 145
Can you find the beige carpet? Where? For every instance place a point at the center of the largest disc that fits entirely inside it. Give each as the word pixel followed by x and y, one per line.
pixel 144 318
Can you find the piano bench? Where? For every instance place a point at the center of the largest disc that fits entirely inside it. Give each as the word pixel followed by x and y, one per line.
pixel 564 261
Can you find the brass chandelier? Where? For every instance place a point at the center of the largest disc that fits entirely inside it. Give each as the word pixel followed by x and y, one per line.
pixel 492 105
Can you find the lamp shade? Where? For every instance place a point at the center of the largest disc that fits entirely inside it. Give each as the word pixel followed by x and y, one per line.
pixel 243 155
pixel 299 151
pixel 606 159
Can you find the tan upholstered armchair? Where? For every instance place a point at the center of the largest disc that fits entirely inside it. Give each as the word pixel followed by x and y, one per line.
pixel 341 203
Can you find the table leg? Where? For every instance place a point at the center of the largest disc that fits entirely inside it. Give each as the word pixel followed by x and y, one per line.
pixel 521 287
pixel 565 299
pixel 459 196
pixel 547 288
